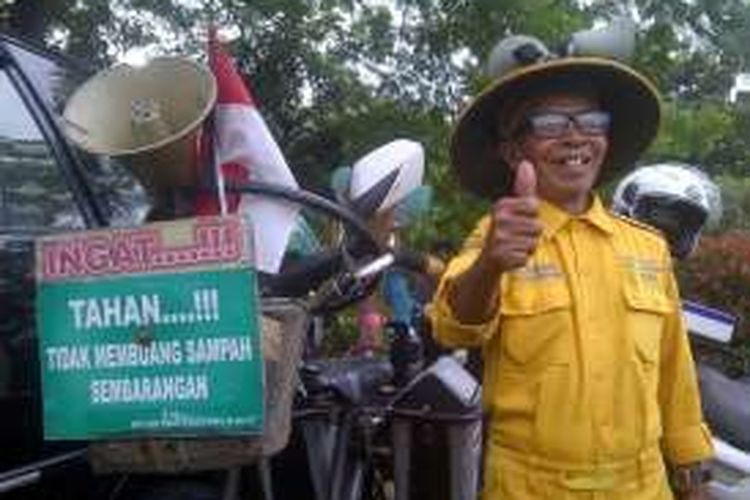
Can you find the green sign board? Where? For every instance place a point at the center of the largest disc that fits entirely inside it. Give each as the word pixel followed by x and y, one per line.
pixel 150 331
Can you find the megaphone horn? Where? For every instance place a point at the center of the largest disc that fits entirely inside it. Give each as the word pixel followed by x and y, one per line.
pixel 148 116
pixel 615 40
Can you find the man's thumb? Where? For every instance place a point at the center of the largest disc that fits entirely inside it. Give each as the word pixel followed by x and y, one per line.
pixel 525 182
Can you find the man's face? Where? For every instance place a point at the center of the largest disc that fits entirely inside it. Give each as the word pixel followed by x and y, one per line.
pixel 565 137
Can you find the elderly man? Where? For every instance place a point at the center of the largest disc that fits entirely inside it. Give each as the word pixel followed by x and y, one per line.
pixel 589 381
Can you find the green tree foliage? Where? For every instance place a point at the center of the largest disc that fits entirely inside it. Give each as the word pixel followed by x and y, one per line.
pixel 693 132
pixel 736 200
pixel 335 78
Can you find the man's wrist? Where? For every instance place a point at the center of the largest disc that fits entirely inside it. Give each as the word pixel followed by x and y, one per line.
pixel 474 294
pixel 688 477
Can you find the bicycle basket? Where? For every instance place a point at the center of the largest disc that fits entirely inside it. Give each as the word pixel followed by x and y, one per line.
pixel 284 323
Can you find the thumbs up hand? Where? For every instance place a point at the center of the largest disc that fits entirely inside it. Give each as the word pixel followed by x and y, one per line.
pixel 525 182
pixel 515 227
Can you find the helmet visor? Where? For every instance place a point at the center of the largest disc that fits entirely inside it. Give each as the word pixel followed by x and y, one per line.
pixel 681 222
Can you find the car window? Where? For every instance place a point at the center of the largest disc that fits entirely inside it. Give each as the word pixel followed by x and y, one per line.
pixel 114 186
pixel 33 193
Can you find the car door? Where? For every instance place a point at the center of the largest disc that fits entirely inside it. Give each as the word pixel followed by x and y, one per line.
pixel 46 186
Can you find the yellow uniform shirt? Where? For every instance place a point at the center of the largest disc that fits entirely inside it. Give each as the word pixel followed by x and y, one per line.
pixel 587 361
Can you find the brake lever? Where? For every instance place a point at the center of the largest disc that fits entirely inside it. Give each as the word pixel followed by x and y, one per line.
pixel 353 281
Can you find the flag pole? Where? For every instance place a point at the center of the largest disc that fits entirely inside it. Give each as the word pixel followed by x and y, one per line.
pixel 210 128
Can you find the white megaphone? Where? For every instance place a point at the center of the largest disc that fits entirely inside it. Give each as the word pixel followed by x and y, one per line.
pixel 149 116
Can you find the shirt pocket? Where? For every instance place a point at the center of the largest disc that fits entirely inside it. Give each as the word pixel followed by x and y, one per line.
pixel 535 320
pixel 646 313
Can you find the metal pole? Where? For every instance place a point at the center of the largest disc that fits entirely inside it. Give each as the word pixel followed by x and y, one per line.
pixel 401 432
pixel 465 445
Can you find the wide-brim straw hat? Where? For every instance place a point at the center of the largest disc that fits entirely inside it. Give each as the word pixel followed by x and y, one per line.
pixel 632 101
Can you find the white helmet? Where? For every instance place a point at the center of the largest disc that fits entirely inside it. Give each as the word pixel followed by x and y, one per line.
pixel 385 176
pixel 676 198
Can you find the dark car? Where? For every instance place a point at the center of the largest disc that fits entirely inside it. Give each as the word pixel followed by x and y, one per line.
pixel 46 186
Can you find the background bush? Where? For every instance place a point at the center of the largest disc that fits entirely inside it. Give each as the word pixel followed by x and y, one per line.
pixel 718 275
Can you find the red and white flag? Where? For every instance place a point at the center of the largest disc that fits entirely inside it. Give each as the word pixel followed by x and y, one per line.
pixel 243 151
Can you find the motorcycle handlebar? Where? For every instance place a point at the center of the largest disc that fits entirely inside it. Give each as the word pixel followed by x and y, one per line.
pixel 300 277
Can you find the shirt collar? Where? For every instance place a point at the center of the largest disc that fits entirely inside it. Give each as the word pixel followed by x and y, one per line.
pixel 554 218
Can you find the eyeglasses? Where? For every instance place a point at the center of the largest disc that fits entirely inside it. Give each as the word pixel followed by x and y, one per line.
pixel 554 124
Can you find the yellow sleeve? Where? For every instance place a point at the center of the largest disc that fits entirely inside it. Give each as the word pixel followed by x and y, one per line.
pixel 686 437
pixel 446 329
